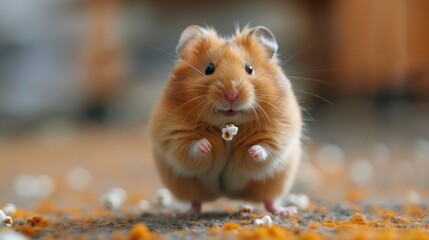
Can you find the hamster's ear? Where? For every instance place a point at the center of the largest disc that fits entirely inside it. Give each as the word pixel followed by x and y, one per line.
pixel 266 37
pixel 190 34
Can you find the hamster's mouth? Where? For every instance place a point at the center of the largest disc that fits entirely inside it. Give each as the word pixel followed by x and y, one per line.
pixel 229 113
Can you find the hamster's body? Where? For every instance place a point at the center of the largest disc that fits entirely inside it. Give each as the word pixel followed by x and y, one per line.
pixel 217 82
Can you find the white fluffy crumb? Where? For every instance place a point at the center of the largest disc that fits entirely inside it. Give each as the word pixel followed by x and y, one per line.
pixel 79 178
pixel 361 172
pixel 34 186
pixel 245 209
pixel 412 196
pixel 11 235
pixel 229 132
pixel 5 220
pixel 114 199
pixel 302 201
pixel 144 205
pixel 331 158
pixel 121 193
pixel 9 209
pixel 111 202
pixel 163 197
pixel 265 221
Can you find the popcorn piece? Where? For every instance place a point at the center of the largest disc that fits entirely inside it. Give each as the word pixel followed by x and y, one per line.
pixel 229 132
pixel 34 186
pixel 121 193
pixel 412 196
pixel 361 172
pixel 144 205
pixel 46 185
pixel 265 221
pixel 232 129
pixel 245 209
pixel 11 235
pixel 163 197
pixel 5 220
pixel 302 201
pixel 114 199
pixel 79 178
pixel 9 209
pixel 111 202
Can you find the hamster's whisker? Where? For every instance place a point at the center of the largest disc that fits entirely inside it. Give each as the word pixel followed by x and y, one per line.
pixel 315 95
pixel 308 113
pixel 178 92
pixel 262 110
pixel 196 107
pixel 180 59
pixel 274 106
pixel 187 84
pixel 312 71
pixel 266 97
pixel 311 80
pixel 206 104
pixel 253 115
pixel 299 53
pixel 190 100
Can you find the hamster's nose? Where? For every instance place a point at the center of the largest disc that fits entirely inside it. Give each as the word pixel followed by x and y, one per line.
pixel 231 95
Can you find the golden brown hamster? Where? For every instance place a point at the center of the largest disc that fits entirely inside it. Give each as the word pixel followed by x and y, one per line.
pixel 219 81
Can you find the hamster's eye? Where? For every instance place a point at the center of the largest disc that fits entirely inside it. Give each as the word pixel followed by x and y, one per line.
pixel 210 69
pixel 249 69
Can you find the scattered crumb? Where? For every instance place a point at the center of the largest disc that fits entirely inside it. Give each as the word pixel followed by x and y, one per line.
pixel 245 210
pixel 163 197
pixel 141 232
pixel 265 221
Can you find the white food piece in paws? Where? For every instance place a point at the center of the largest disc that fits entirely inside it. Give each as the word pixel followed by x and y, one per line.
pixel 265 221
pixel 9 209
pixel 226 135
pixel 164 197
pixel 229 132
pixel 232 129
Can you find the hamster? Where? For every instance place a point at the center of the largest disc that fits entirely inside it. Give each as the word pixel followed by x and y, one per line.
pixel 219 81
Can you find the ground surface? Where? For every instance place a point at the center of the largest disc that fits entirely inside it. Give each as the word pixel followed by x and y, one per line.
pixel 393 206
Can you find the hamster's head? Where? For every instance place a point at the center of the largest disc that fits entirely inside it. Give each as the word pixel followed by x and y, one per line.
pixel 228 80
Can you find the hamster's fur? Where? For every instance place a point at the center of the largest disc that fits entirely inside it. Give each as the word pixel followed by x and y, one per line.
pixel 193 160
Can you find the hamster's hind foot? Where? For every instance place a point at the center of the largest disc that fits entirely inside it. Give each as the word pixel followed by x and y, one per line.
pixel 194 211
pixel 280 210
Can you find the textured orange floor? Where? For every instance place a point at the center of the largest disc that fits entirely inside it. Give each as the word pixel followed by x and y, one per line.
pixel 340 209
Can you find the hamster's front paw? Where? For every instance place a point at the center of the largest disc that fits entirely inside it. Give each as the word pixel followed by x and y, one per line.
pixel 258 153
pixel 201 147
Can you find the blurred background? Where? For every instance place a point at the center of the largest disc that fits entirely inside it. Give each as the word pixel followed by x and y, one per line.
pixel 78 80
